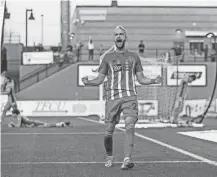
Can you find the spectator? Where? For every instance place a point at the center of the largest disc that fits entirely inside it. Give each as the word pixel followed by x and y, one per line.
pixel 78 47
pixel 141 48
pixel 68 54
pixel 101 50
pixel 91 48
pixel 213 55
pixel 171 55
pixel 178 52
pixel 206 50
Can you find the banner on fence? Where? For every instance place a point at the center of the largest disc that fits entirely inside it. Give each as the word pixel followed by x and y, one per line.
pixel 174 72
pixel 37 58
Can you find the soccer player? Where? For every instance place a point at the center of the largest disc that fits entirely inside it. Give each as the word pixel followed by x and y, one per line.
pixel 23 121
pixel 120 66
pixel 179 101
pixel 3 80
pixel 8 89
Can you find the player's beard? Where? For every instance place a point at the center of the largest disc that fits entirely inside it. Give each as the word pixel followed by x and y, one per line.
pixel 120 43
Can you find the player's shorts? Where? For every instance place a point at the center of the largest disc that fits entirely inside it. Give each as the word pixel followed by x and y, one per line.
pixel 127 105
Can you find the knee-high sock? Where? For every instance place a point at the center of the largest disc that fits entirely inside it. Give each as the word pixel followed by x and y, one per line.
pixel 129 140
pixel 108 143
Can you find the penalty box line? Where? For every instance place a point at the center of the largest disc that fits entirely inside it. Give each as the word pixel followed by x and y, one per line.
pixel 64 133
pixel 117 162
pixel 187 153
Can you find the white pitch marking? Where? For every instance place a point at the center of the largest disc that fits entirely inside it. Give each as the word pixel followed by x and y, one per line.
pixel 74 133
pixel 137 162
pixel 208 135
pixel 195 156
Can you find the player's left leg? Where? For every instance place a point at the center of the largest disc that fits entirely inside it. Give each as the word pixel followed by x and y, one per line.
pixel 36 123
pixel 130 112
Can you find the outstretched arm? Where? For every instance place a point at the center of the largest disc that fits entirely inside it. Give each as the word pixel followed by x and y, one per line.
pixel 147 81
pixel 7 91
pixel 95 82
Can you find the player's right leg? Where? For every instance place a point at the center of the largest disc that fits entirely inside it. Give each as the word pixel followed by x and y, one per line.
pixel 108 142
pixel 58 124
pixel 175 112
pixel 7 107
pixel 111 117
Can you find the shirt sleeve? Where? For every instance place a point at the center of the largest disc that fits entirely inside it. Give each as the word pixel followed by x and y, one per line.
pixel 103 68
pixel 138 66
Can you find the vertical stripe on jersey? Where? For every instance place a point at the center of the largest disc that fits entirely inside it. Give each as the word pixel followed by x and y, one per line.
pixel 123 83
pixel 133 79
pixel 112 83
pixel 127 82
pixel 119 81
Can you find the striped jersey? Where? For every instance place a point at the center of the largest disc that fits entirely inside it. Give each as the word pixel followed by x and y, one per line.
pixel 120 69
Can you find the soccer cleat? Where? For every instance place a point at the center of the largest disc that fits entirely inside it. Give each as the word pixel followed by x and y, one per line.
pixel 109 161
pixel 127 164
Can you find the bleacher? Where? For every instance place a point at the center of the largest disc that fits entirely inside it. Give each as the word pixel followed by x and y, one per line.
pixel 155 25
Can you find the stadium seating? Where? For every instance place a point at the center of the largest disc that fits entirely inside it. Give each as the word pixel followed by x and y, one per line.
pixel 155 26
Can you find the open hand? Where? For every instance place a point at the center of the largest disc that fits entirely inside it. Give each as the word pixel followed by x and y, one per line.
pixel 158 80
pixel 85 80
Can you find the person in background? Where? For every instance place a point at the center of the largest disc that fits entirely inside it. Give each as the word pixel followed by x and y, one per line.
pixel 78 47
pixel 206 50
pixel 3 79
pixel 23 121
pixel 141 47
pixel 91 48
pixel 8 88
pixel 69 53
pixel 101 50
pixel 180 98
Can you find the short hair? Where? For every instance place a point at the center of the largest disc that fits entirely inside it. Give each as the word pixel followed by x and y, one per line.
pixel 193 77
pixel 16 111
pixel 122 28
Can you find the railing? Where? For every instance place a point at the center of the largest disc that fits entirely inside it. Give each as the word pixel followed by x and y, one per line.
pixel 189 56
pixel 42 73
pixel 46 71
pixel 15 39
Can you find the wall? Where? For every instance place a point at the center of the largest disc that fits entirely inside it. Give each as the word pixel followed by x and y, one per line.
pixel 14 56
pixel 64 86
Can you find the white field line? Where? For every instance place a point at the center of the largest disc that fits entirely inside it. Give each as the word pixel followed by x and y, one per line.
pixel 66 133
pixel 137 162
pixel 195 156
